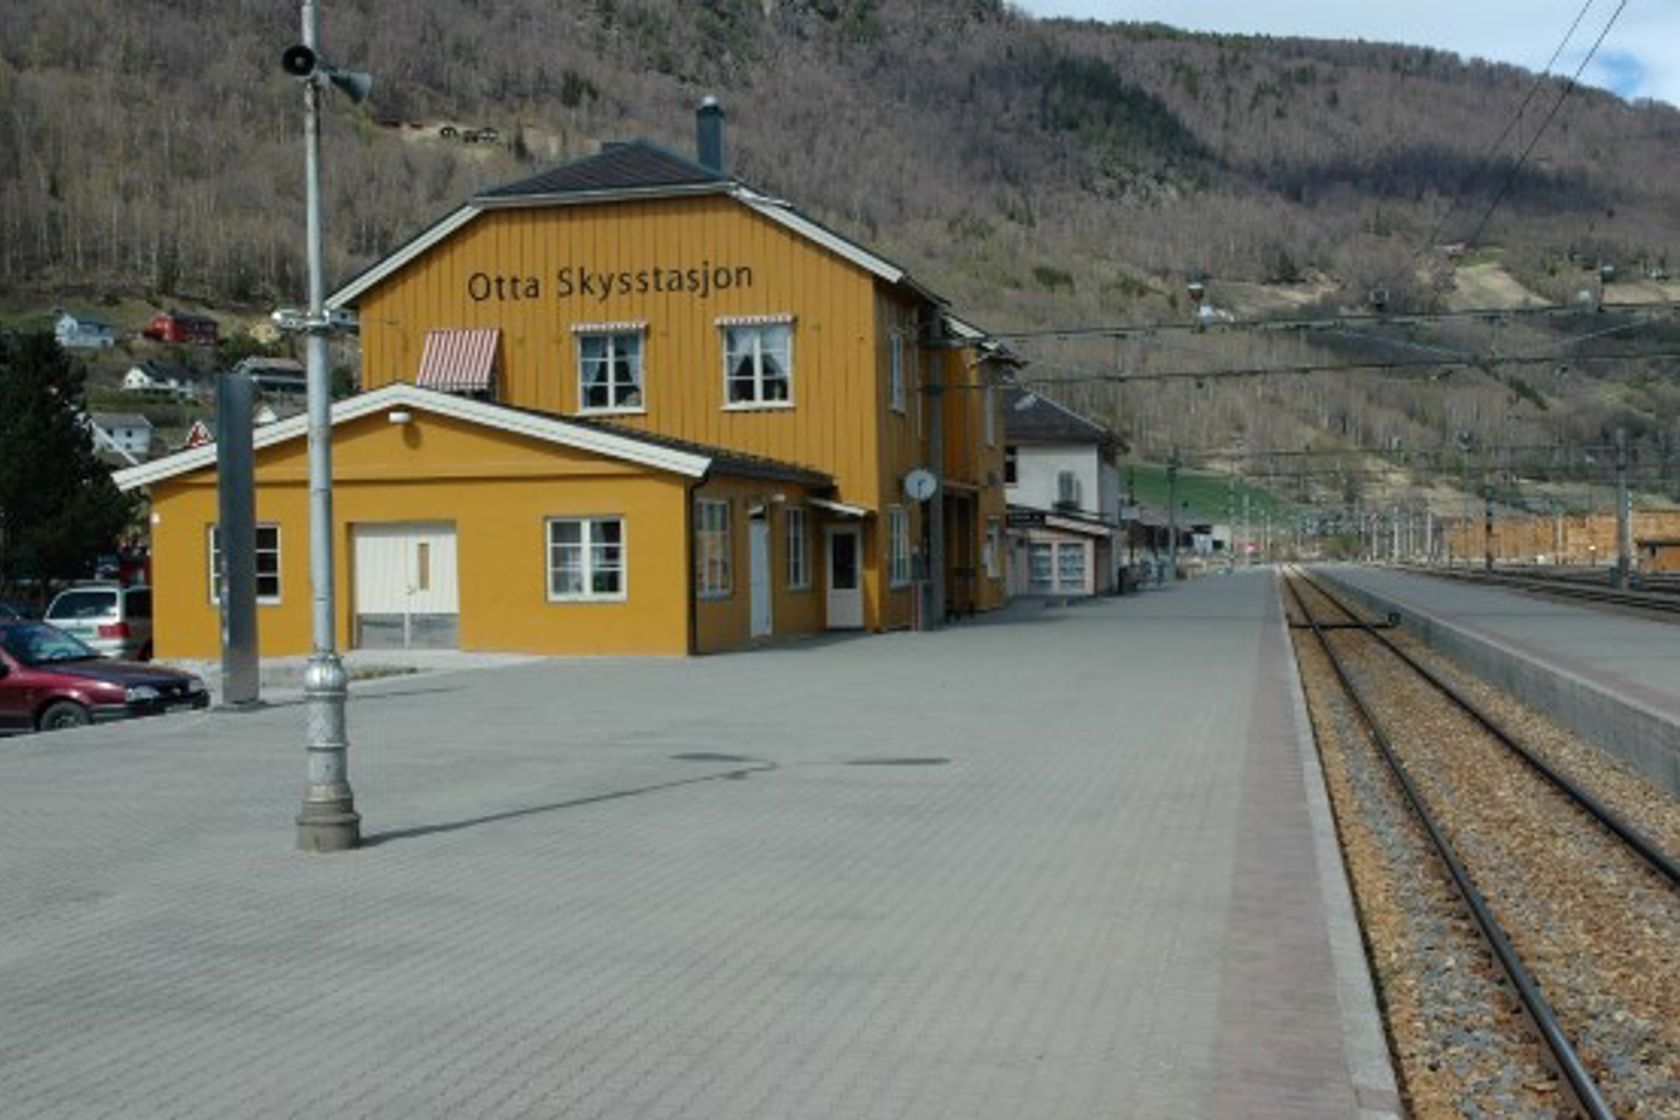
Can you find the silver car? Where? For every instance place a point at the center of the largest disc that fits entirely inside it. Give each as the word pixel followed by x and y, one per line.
pixel 115 620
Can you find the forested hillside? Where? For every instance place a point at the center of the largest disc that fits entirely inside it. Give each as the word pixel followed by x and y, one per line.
pixel 1038 173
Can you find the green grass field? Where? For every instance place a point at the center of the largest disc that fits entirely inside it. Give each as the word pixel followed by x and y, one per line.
pixel 1206 495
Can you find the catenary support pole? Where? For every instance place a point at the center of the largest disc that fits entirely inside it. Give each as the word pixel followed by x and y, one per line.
pixel 935 506
pixel 1624 513
pixel 328 821
pixel 1172 515
pixel 236 539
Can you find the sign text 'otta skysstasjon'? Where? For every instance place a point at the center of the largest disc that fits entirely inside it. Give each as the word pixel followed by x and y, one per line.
pixel 581 282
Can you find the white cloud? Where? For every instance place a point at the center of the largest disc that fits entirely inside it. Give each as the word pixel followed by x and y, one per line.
pixel 1643 49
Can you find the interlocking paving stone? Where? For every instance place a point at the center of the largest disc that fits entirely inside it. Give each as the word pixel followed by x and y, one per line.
pixel 1084 885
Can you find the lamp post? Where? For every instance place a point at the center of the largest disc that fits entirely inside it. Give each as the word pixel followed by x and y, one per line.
pixel 328 821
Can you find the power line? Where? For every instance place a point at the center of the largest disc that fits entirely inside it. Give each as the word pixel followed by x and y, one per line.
pixel 1445 365
pixel 1329 322
pixel 1510 126
pixel 1568 88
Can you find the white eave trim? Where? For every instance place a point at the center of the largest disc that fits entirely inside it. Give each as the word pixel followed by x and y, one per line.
pixel 400 395
pixel 842 508
pixel 347 295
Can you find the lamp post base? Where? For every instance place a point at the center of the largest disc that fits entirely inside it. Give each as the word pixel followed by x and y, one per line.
pixel 324 829
pixel 329 821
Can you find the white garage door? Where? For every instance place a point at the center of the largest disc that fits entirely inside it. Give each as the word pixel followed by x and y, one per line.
pixel 407 586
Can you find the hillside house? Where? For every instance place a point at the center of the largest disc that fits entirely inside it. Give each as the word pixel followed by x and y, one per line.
pixel 83 332
pixel 182 326
pixel 127 433
pixel 158 379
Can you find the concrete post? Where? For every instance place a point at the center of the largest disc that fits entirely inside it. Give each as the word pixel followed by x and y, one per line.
pixel 236 538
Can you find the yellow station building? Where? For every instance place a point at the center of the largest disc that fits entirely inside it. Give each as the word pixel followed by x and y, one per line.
pixel 628 405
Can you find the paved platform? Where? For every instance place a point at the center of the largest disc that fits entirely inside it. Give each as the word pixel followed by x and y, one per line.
pixel 1056 863
pixel 1612 676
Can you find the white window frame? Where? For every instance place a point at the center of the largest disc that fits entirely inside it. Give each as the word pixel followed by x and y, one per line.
pixel 587 543
pixel 796 523
pixel 898 546
pixel 1035 549
pixel 702 587
pixel 1071 548
pixel 214 550
pixel 612 332
pixel 760 324
pixel 895 374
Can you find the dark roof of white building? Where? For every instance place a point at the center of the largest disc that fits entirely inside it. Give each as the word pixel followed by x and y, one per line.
pixel 1031 417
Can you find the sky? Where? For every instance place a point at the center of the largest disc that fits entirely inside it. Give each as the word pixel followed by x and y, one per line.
pixel 1639 58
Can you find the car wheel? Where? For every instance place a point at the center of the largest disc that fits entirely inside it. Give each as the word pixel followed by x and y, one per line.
pixel 63 714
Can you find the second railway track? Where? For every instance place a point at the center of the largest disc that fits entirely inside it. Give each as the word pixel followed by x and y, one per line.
pixel 1583 903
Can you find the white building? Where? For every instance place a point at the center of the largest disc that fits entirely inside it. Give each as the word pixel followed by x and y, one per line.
pixel 127 433
pixel 1062 479
pixel 80 332
pixel 157 379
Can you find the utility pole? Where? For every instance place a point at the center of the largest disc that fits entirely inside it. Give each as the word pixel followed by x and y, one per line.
pixel 1231 521
pixel 1172 513
pixel 1487 525
pixel 1246 531
pixel 1624 513
pixel 328 821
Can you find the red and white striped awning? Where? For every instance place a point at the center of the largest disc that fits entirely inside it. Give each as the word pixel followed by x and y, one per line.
pixel 458 361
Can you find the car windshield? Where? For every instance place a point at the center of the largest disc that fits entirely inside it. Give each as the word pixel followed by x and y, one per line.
pixel 83 604
pixel 33 643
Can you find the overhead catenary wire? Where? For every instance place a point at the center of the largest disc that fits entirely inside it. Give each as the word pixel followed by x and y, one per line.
pixel 1569 87
pixel 1510 125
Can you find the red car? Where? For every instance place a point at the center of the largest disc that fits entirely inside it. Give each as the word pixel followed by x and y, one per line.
pixel 49 681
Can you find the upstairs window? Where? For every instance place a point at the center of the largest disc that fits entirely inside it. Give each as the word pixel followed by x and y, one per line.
pixel 1010 467
pixel 758 364
pixel 988 418
pixel 610 370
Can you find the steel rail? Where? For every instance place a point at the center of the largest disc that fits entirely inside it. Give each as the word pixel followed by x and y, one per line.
pixel 1659 860
pixel 1587 1094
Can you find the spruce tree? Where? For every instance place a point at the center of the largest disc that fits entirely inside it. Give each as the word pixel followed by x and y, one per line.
pixel 59 508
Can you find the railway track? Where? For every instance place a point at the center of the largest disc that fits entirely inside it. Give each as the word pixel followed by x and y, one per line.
pixel 1576 903
pixel 1657 597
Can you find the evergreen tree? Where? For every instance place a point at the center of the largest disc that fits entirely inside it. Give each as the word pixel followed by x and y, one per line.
pixel 59 508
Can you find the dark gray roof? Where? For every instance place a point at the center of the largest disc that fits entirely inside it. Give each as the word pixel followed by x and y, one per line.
pixel 724 460
pixel 1031 417
pixel 635 165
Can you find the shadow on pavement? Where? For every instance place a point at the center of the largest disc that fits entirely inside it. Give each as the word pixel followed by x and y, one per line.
pixel 577 802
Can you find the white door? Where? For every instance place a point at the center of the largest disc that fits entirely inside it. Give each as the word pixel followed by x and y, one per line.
pixel 845 578
pixel 758 575
pixel 407 586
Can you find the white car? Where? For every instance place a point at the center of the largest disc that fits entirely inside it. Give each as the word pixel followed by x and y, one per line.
pixel 113 619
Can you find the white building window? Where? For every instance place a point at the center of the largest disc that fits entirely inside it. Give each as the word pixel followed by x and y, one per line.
pixel 610 372
pixel 1070 566
pixel 898 545
pixel 1041 567
pixel 758 365
pixel 1011 465
pixel 268 564
pixel 585 559
pixel 798 550
pixel 712 576
pixel 895 383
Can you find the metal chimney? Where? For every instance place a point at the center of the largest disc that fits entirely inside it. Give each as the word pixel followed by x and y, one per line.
pixel 708 131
